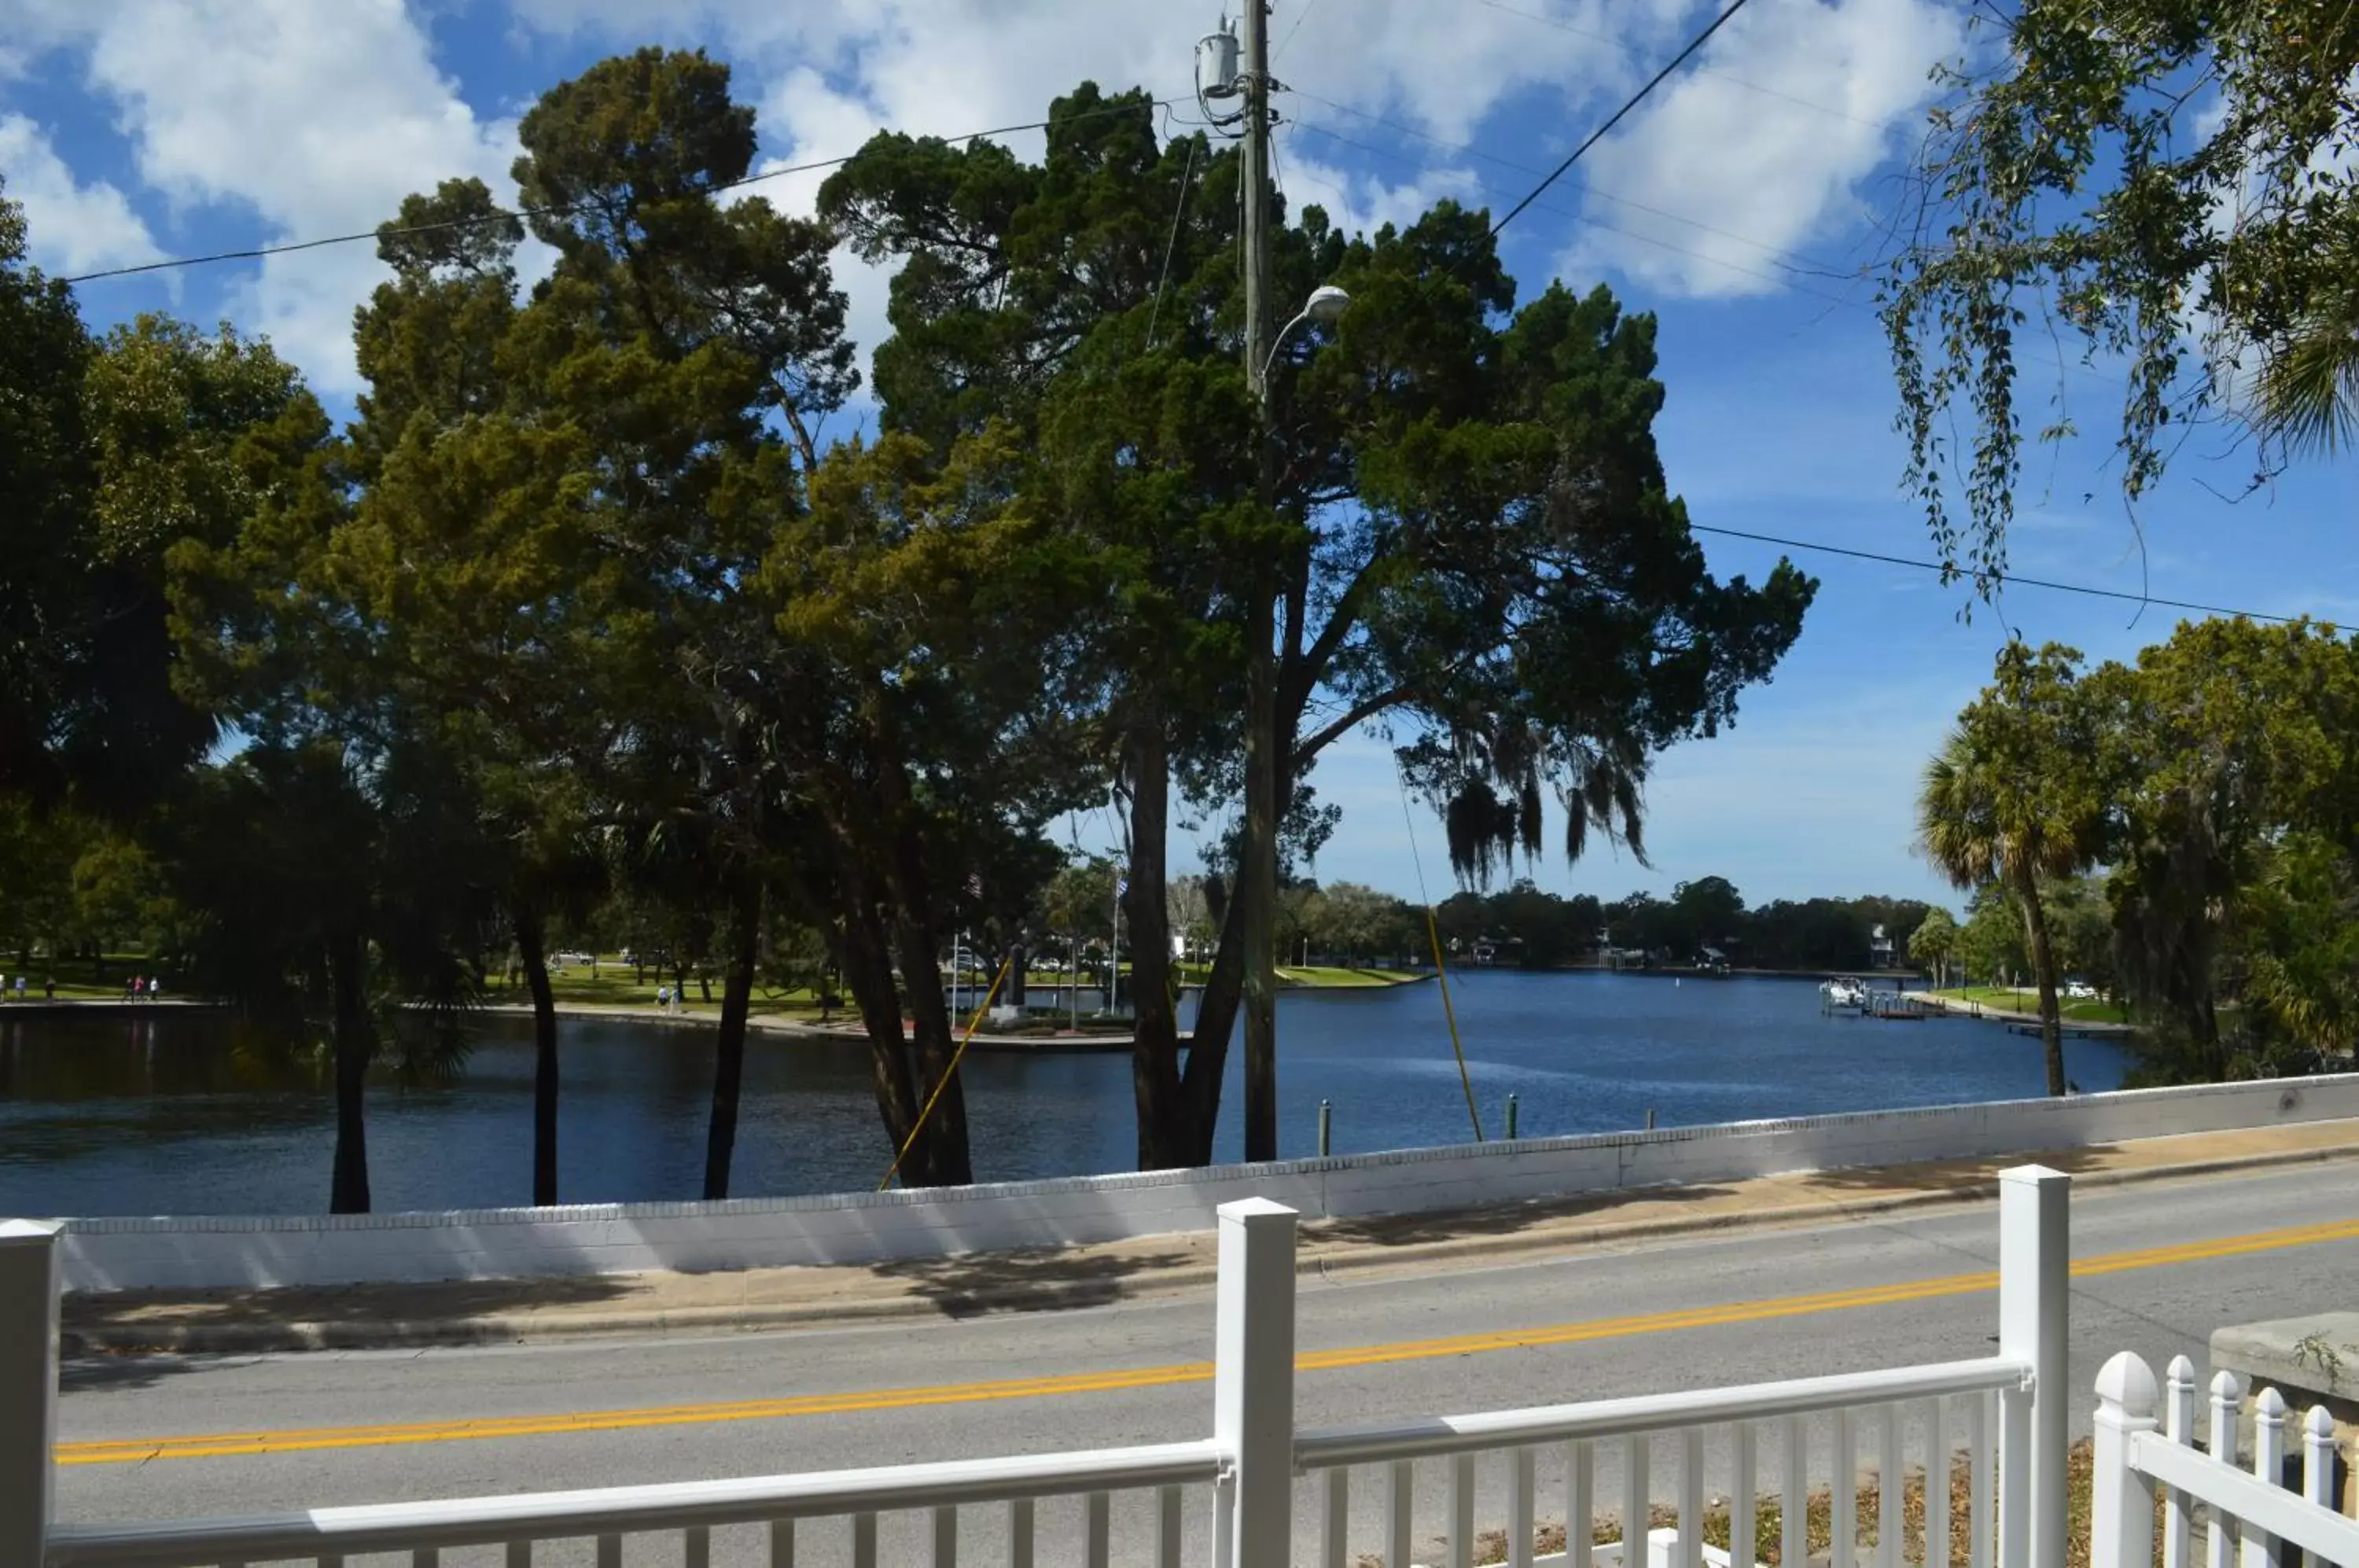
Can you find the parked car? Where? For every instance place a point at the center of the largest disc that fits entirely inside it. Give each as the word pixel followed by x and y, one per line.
pixel 2079 991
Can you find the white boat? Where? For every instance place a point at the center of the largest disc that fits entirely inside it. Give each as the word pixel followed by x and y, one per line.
pixel 1843 994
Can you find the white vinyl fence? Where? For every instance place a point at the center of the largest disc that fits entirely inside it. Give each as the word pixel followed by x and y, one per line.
pixel 2254 1519
pixel 2005 1412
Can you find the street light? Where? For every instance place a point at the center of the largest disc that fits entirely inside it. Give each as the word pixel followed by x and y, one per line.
pixel 1325 304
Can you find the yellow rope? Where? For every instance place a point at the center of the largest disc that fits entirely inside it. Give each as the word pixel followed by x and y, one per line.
pixel 1450 1013
pixel 973 1024
pixel 1441 974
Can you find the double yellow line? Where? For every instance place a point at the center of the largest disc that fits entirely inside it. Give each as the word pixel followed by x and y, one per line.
pixel 218 1445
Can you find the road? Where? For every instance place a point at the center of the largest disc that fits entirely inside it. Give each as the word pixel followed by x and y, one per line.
pixel 1737 1308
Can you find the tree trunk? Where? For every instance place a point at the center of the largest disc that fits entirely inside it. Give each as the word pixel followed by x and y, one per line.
pixel 950 1161
pixel 1208 1046
pixel 2043 965
pixel 532 948
pixel 729 1050
pixel 1163 1120
pixel 348 1191
pixel 868 973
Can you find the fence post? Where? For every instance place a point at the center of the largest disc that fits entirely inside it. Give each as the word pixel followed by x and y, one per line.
pixel 28 1386
pixel 2033 1280
pixel 1253 1382
pixel 2120 1497
pixel 2259 1547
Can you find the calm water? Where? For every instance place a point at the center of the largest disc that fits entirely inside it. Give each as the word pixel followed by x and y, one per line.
pixel 115 1114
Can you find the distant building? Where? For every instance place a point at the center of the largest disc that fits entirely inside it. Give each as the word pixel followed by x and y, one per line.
pixel 1879 948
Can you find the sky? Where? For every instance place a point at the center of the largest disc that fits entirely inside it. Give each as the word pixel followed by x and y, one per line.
pixel 1738 204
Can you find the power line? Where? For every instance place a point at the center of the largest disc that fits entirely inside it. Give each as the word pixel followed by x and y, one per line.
pixel 1607 39
pixel 1615 118
pixel 504 214
pixel 1999 578
pixel 1793 261
pixel 1784 280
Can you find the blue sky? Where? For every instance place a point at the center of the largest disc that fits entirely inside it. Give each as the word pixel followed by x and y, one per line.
pixel 150 128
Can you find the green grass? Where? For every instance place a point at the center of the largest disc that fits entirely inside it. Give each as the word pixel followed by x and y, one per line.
pixel 2025 999
pixel 617 986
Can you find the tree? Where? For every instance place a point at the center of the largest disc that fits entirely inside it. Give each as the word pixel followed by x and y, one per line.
pixel 2219 744
pixel 1990 945
pixel 2171 182
pixel 2010 799
pixel 1934 943
pixel 1474 540
pixel 1353 922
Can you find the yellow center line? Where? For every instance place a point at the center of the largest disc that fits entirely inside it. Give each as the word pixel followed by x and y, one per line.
pixel 213 1446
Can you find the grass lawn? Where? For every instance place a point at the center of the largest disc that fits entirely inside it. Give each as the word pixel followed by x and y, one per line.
pixel 617 986
pixel 2025 999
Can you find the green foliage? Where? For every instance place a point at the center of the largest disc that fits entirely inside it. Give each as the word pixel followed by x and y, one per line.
pixel 1934 943
pixel 2170 180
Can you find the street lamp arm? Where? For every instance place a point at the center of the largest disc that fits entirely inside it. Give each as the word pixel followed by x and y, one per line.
pixel 1279 341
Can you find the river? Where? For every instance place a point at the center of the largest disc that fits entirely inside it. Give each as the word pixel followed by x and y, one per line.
pixel 120 1113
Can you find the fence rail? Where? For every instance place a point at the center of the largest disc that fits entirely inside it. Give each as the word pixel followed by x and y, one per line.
pixel 1253 1468
pixel 687 1507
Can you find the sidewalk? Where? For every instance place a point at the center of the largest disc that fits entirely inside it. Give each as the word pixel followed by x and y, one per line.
pixel 497 1312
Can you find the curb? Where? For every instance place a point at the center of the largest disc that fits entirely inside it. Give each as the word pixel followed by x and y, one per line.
pixel 511 1328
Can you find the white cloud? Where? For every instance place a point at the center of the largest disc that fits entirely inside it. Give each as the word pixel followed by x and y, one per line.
pixel 317 119
pixel 72 227
pixel 1781 168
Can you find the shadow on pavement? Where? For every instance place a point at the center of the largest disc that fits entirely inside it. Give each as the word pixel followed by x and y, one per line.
pixel 1946 1174
pixel 1446 1225
pixel 978 1284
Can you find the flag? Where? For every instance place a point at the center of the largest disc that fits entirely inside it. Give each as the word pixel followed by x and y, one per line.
pixel 1122 886
pixel 974 885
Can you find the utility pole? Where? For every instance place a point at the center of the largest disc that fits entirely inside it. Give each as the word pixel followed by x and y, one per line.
pixel 1257 855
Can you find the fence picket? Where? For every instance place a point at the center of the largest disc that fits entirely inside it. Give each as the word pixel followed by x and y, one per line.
pixel 1400 1511
pixel 610 1553
pixel 1579 1503
pixel 2227 1394
pixel 1461 1511
pixel 1980 1480
pixel 1843 1549
pixel 1097 1529
pixel 1743 1489
pixel 2318 1468
pixel 1889 1486
pixel 782 1544
pixel 1520 1468
pixel 945 1537
pixel 1636 1514
pixel 2260 1548
pixel 696 1549
pixel 1691 1498
pixel 1335 1517
pixel 2178 1426
pixel 1794 1499
pixel 1937 1483
pixel 1166 1527
pixel 1020 1533
pixel 863 1544
pixel 519 1555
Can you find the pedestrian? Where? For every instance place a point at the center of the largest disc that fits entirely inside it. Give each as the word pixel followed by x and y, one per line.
pixel 663 999
pixel 155 987
pixel 20 988
pixel 49 988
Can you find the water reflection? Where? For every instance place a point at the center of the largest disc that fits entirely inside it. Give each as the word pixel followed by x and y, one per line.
pixel 118 1113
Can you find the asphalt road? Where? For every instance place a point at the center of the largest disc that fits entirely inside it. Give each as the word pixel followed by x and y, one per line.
pixel 1692 1315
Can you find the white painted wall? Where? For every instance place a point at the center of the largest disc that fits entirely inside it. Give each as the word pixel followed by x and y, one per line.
pixel 867 1227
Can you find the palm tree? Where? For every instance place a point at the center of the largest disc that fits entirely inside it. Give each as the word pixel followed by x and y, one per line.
pixel 2307 393
pixel 2005 801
